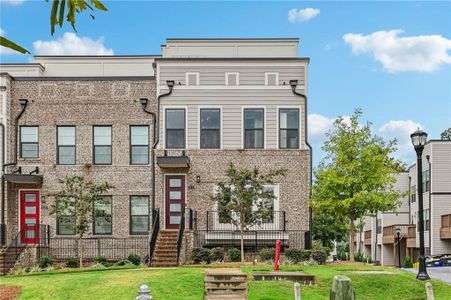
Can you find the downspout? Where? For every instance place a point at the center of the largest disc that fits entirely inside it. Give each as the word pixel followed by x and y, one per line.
pixel 410 182
pixel 156 133
pixel 293 84
pixel 430 203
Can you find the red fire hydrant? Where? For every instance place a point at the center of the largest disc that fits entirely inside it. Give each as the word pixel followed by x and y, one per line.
pixel 277 255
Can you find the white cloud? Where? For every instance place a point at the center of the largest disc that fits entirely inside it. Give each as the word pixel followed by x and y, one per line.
pixel 400 130
pixel 13 2
pixel 302 15
pixel 2 32
pixel 422 53
pixel 71 44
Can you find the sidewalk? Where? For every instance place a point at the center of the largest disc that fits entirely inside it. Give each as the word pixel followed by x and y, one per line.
pixel 438 273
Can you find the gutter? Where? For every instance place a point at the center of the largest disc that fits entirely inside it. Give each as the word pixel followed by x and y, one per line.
pixel 293 84
pixel 430 203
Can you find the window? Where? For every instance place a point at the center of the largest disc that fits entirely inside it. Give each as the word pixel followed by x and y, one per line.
pixel 270 204
pixel 271 78
pixel 29 141
pixel 66 145
pixel 102 145
pixel 413 194
pixel 288 128
pixel 175 128
pixel 139 145
pixel 378 226
pixel 102 215
pixel 210 136
pixel 427 222
pixel 232 78
pixel 139 214
pixel 253 128
pixel 192 78
pixel 426 181
pixel 65 222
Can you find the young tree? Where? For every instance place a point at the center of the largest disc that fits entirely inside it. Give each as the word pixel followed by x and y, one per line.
pixel 446 134
pixel 242 198
pixel 81 199
pixel 357 175
pixel 328 227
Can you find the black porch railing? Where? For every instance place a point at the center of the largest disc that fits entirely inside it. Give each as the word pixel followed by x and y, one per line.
pixel 2 234
pixel 180 234
pixel 274 222
pixel 154 233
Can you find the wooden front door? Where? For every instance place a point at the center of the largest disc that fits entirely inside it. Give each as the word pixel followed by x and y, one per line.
pixel 29 217
pixel 174 200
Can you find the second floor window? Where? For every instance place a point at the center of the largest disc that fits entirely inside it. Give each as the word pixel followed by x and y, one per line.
pixel 102 145
pixel 426 181
pixel 288 128
pixel 210 135
pixel 413 194
pixel 29 141
pixel 139 145
pixel 66 145
pixel 175 128
pixel 103 216
pixel 253 128
pixel 139 214
pixel 378 226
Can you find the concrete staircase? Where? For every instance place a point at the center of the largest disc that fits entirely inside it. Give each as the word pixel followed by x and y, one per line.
pixel 8 258
pixel 225 284
pixel 165 254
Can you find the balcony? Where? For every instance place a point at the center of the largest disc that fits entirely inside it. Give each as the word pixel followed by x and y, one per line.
pixel 445 230
pixel 411 237
pixel 389 235
pixel 367 238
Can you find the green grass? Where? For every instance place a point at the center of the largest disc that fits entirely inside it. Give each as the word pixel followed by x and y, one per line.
pixel 187 283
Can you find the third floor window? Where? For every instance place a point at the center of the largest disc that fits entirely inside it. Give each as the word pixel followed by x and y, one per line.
pixel 102 145
pixel 175 128
pixel 254 128
pixel 139 145
pixel 210 136
pixel 288 128
pixel 66 145
pixel 29 141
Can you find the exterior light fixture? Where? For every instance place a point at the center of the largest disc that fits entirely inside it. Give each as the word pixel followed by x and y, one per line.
pixel 419 139
pixel 198 178
pixel 23 103
pixel 3 88
pixel 293 83
pixel 398 239
pixel 143 101
pixel 170 83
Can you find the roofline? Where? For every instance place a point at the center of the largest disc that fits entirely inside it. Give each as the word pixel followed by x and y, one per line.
pixel 24 65
pixel 307 59
pixel 233 39
pixel 99 56
pixel 81 78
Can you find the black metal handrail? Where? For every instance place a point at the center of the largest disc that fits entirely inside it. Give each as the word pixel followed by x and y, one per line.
pixel 275 221
pixel 180 235
pixel 154 233
pixel 2 234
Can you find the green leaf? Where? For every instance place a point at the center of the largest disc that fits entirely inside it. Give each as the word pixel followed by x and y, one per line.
pixel 99 5
pixel 62 8
pixel 53 18
pixel 11 45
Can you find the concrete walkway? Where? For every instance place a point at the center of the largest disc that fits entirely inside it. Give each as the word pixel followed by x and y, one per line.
pixel 439 273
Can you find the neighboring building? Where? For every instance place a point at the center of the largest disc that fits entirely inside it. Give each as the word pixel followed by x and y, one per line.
pixel 382 247
pixel 217 101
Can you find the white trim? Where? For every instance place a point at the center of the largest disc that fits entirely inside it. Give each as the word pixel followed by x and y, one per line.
pixel 164 195
pixel 164 108
pixel 301 141
pixel 264 125
pixel 187 74
pixel 237 74
pixel 221 145
pixel 20 205
pixel 236 87
pixel 276 74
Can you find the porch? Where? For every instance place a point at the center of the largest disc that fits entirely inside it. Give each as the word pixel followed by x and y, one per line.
pixel 390 233
pixel 367 238
pixel 445 229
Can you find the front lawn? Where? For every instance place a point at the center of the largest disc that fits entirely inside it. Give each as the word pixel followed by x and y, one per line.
pixel 187 283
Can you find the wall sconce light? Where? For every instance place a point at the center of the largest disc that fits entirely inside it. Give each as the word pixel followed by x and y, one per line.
pixel 3 88
pixel 143 101
pixel 198 178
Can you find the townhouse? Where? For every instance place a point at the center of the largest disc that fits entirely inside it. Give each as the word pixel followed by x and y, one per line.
pixel 379 237
pixel 161 129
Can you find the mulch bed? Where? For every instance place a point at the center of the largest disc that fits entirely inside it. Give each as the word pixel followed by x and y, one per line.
pixel 9 292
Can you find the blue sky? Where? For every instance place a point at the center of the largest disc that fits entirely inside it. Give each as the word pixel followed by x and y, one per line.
pixel 401 79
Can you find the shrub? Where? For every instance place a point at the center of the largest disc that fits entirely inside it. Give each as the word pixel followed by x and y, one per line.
pixel 408 262
pixel 342 251
pixel 200 255
pixel 267 254
pixel 368 260
pixel 72 262
pixel 124 262
pixel 293 255
pixel 319 256
pixel 44 262
pixel 359 256
pixel 134 259
pixel 234 254
pixel 98 266
pixel 100 260
pixel 217 254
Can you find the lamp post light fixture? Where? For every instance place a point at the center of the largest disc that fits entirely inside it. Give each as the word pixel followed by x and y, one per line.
pixel 398 235
pixel 419 139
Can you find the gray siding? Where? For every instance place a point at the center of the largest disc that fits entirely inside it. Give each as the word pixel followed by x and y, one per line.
pixel 441 167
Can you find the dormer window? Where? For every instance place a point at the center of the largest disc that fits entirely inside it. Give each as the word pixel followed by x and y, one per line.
pixel 271 78
pixel 192 78
pixel 232 78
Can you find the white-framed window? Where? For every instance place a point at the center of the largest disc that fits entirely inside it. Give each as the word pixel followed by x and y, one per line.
pixel 289 128
pixel 254 129
pixel 232 78
pixel 271 78
pixel 210 128
pixel 192 78
pixel 175 126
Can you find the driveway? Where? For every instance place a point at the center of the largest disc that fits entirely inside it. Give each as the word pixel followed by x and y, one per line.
pixel 438 273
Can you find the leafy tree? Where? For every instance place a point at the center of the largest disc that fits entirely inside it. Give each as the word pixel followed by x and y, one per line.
pixel 446 134
pixel 242 198
pixel 57 14
pixel 77 198
pixel 357 175
pixel 328 227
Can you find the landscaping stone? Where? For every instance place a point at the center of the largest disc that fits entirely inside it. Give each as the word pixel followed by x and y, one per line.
pixel 342 289
pixel 225 284
pixel 291 276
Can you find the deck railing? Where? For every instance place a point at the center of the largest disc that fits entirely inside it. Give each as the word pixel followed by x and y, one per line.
pixel 391 230
pixel 411 232
pixel 275 221
pixel 367 234
pixel 445 230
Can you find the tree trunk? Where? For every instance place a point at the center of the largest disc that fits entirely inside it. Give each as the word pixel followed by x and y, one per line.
pixel 351 244
pixel 242 236
pixel 80 250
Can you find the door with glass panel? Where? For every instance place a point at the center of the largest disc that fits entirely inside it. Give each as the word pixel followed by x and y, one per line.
pixel 175 200
pixel 29 217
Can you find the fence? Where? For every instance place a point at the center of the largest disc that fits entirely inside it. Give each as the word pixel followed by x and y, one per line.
pixel 272 222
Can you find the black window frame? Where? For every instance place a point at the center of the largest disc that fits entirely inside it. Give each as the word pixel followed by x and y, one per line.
pixel 209 129
pixel 66 146
pixel 262 129
pixel 289 129
pixel 94 217
pixel 58 224
pixel 174 129
pixel 94 145
pixel 138 145
pixel 131 216
pixel 27 143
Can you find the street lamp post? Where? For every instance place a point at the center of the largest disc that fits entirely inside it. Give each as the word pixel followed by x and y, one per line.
pixel 419 139
pixel 398 235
